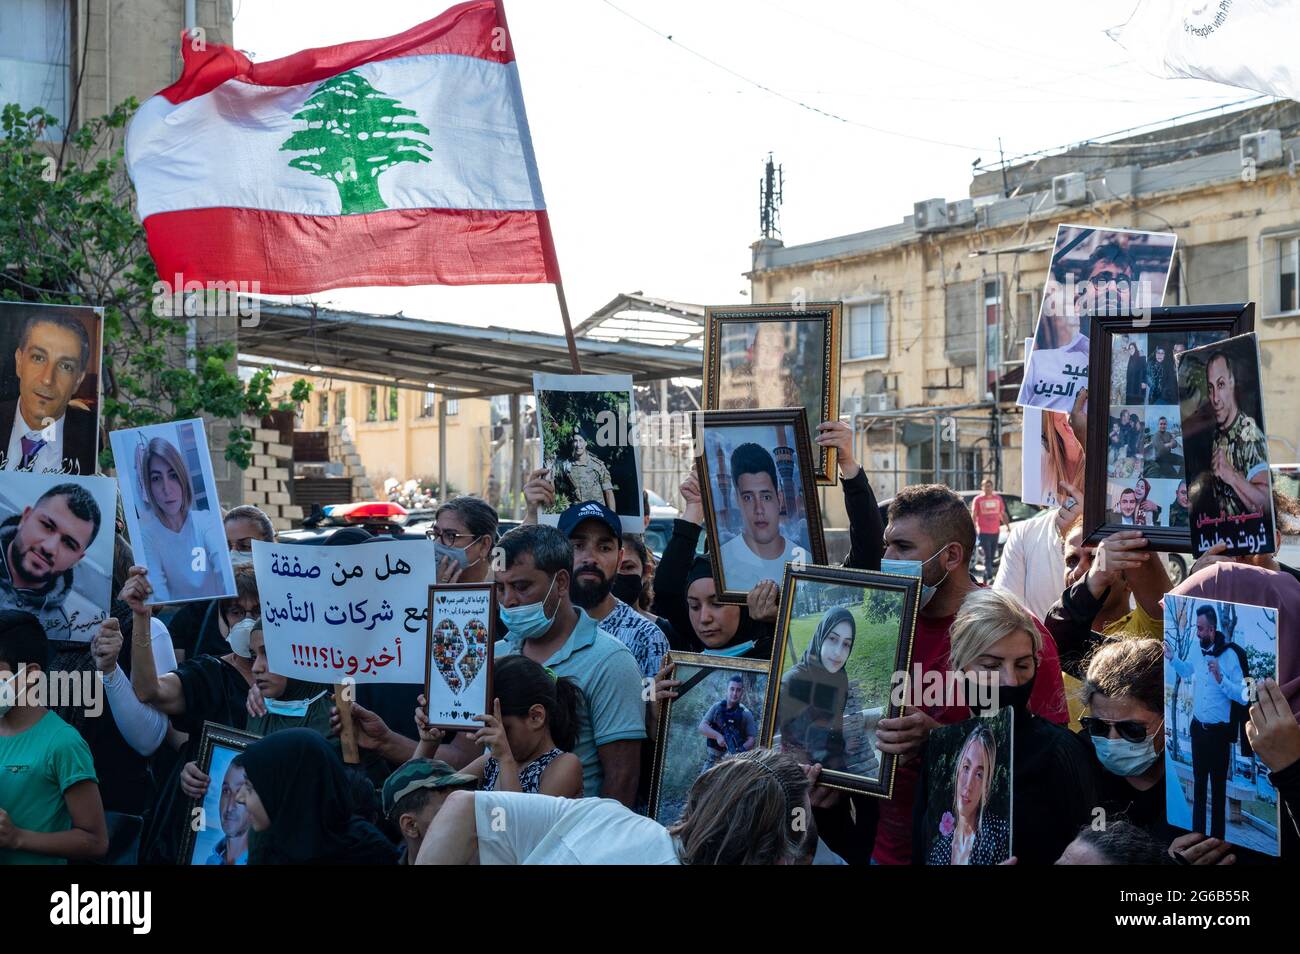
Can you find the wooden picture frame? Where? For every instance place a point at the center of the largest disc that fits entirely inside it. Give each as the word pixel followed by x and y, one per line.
pixel 437 590
pixel 853 739
pixel 1225 321
pixel 215 736
pixel 795 485
pixel 801 318
pixel 707 665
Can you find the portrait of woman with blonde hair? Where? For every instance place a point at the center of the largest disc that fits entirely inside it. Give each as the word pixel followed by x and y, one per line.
pixel 970 834
pixel 183 546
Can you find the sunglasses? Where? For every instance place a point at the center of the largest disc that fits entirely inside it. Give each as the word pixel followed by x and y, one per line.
pixel 1129 730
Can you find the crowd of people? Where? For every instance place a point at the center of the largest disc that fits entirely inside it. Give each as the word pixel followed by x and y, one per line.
pixel 588 617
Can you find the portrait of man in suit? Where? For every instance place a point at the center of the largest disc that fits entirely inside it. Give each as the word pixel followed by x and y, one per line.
pixel 42 431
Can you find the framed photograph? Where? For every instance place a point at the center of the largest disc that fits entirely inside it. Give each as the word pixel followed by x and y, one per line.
pixel 173 516
pixel 50 359
pixel 217 828
pixel 718 712
pixel 56 531
pixel 968 807
pixel 1229 483
pixel 841 636
pixel 1136 474
pixel 1094 272
pixel 759 496
pixel 1217 653
pixel 590 442
pixel 780 355
pixel 458 660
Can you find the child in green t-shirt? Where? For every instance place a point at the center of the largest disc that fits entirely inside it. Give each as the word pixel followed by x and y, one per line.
pixel 50 809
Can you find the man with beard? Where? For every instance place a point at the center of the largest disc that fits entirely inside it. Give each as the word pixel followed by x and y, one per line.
pixel 596 535
pixel 38 550
pixel 1218 684
pixel 1180 509
pixel 1239 461
pixel 235 823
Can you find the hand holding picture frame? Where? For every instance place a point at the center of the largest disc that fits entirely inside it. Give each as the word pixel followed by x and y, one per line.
pixel 841 637
pixel 718 712
pixel 217 827
pixel 776 355
pixel 760 501
pixel 1135 467
pixel 458 661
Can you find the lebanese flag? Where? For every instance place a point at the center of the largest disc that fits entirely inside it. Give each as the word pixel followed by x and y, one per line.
pixel 400 161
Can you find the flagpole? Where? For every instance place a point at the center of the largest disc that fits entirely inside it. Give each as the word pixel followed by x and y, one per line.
pixel 552 260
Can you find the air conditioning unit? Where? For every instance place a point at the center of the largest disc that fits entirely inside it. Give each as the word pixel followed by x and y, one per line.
pixel 1070 189
pixel 1263 148
pixel 930 215
pixel 852 405
pixel 880 403
pixel 961 212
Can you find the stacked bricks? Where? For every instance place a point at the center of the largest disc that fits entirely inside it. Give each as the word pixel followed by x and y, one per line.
pixel 266 480
pixel 342 450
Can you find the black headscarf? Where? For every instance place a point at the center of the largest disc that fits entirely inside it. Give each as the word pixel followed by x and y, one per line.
pixel 813 699
pixel 747 629
pixel 304 790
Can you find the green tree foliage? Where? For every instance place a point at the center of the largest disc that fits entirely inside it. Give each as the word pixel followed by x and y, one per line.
pixel 69 236
pixel 355 132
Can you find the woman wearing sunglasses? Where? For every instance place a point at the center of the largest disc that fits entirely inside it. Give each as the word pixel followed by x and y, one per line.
pixel 1124 693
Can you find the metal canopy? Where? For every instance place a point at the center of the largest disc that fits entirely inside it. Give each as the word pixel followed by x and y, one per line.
pixel 639 318
pixel 460 361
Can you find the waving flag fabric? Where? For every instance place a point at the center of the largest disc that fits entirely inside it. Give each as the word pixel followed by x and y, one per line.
pixel 399 161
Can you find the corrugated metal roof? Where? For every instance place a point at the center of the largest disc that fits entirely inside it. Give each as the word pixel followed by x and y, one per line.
pixel 461 361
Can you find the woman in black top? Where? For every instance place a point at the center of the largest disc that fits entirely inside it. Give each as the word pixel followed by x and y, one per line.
pixel 301 806
pixel 1052 784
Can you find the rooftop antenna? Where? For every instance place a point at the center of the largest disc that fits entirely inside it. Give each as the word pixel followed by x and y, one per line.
pixel 769 200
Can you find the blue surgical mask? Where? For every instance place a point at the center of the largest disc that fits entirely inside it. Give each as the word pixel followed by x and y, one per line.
pixel 455 554
pixel 1122 757
pixel 914 568
pixel 530 620
pixel 297 708
pixel 737 650
pixel 241 558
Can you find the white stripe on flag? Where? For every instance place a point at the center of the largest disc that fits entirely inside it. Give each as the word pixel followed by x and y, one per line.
pixel 223 149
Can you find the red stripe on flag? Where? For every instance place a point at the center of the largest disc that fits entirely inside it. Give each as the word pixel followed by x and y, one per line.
pixel 289 254
pixel 467 29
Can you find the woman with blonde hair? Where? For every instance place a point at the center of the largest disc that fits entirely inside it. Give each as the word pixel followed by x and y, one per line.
pixel 1062 461
pixel 969 834
pixel 187 554
pixel 996 642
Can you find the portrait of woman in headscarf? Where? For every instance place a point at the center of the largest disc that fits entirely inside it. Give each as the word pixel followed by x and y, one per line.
pixel 814 692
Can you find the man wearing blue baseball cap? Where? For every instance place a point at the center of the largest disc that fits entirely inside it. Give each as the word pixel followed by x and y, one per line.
pixel 596 534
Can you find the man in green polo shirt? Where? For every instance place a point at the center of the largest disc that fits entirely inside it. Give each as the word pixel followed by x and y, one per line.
pixel 544 625
pixel 50 809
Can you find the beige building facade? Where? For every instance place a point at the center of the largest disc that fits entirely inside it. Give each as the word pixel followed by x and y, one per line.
pixel 935 315
pixel 395 430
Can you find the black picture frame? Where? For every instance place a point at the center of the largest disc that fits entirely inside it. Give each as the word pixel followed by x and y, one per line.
pixel 214 735
pixel 829 314
pixel 434 590
pixel 707 664
pixel 791 417
pixel 1228 319
pixel 910 588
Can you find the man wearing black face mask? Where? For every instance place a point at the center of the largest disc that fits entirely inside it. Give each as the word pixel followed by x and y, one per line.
pixel 596 535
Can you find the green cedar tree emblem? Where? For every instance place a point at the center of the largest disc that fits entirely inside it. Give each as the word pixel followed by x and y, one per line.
pixel 354 132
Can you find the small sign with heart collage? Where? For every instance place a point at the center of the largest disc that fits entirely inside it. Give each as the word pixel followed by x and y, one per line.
pixel 458 666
